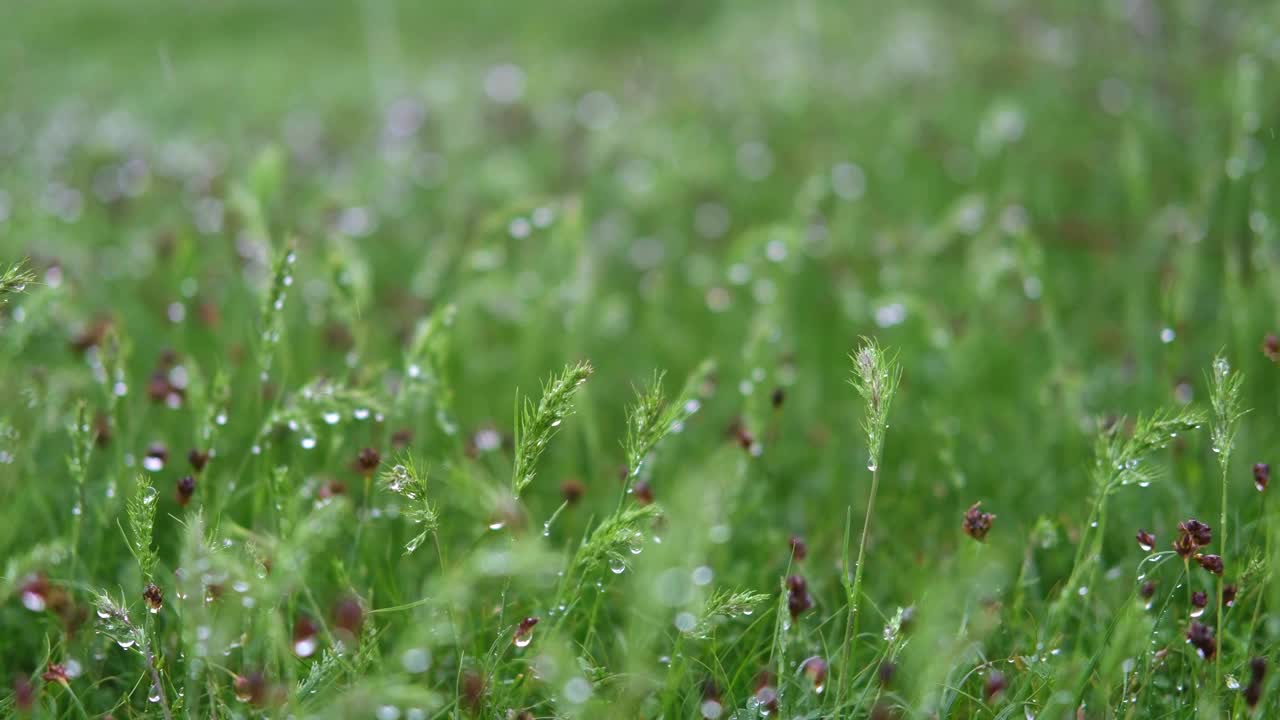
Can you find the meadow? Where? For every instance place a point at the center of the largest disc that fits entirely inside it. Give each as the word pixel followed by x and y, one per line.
pixel 723 360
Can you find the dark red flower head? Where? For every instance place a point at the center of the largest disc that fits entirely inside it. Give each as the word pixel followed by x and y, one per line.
pixel 799 550
pixel 977 523
pixel 198 459
pixel 1271 347
pixel 367 461
pixel 798 598
pixel 1212 563
pixel 1199 532
pixel 1261 476
pixel 55 673
pixel 1201 636
pixel 995 685
pixel 1257 672
pixel 1229 594
pixel 815 668
pixel 572 490
pixel 1146 540
pixel 642 492
pixel 154 597
pixel 348 615
pixel 186 488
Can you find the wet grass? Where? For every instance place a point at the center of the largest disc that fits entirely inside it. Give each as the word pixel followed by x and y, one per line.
pixel 511 362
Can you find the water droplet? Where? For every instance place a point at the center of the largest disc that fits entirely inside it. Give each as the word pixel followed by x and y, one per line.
pixel 413 370
pixel 305 647
pixel 331 418
pixel 360 413
pixel 555 423
pixel 617 566
pixel 154 695
pixel 152 463
pixel 497 524
pixel 149 495
pixel 125 643
pixel 308 443
pixel 1167 335
pixel 415 660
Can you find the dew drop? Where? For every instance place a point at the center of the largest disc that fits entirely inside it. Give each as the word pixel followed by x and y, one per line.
pixel 617 567
pixel 308 443
pixel 331 418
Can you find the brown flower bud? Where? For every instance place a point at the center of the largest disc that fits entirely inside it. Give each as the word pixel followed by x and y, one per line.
pixel 1201 636
pixel 1212 563
pixel 186 488
pixel 1261 476
pixel 154 597
pixel 977 523
pixel 1146 540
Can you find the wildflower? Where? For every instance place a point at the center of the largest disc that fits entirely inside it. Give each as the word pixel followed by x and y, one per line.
pixel 642 492
pixel 572 490
pixel 401 438
pixel 1261 476
pixel 473 690
pixel 766 695
pixel 348 615
pixel 1257 671
pixel 798 598
pixel 524 632
pixel 995 684
pixel 102 431
pixel 1271 347
pixel 1212 563
pixel 251 688
pixel 35 593
pixel 24 694
pixel 186 488
pixel 1198 602
pixel 154 597
pixel 1147 590
pixel 1229 594
pixel 304 637
pixel 1199 532
pixel 816 670
pixel 331 489
pixel 799 550
pixel 1201 636
pixel 367 461
pixel 886 672
pixel 157 455
pixel 977 523
pixel 1146 540
pixel 55 673
pixel 198 459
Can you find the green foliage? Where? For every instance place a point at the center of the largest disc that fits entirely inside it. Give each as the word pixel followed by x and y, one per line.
pixel 277 302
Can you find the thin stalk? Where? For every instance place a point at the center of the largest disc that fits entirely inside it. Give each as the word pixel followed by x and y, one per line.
pixel 851 627
pixel 155 680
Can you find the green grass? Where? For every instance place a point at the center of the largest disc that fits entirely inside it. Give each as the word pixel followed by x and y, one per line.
pixel 306 230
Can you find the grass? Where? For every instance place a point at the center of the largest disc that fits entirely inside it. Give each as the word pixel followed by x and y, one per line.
pixel 494 361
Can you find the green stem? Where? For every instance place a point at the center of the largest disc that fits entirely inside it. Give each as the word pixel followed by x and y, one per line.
pixel 851 627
